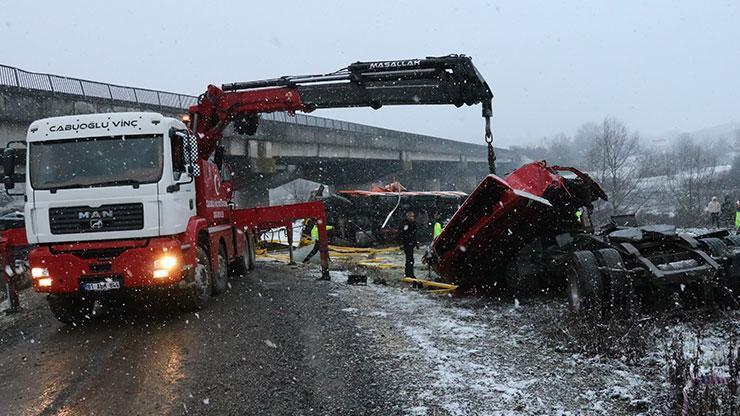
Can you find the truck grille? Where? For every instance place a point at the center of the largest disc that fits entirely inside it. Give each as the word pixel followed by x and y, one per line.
pixel 82 219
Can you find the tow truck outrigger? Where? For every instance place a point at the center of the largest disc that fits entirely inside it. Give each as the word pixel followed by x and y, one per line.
pixel 160 192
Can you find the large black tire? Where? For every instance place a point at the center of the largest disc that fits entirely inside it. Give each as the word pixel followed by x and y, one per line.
pixel 71 309
pixel 198 293
pixel 617 287
pixel 585 289
pixel 514 281
pixel 221 274
pixel 715 246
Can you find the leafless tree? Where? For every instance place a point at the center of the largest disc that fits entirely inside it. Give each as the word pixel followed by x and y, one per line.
pixel 735 172
pixel 692 179
pixel 612 156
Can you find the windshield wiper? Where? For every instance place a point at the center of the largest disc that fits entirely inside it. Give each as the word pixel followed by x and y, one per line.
pixel 133 182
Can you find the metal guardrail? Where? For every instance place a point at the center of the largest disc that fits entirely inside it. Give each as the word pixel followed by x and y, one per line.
pixel 14 77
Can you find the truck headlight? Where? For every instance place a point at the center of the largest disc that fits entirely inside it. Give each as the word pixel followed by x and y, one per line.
pixel 45 282
pixel 39 272
pixel 160 273
pixel 166 263
pixel 163 266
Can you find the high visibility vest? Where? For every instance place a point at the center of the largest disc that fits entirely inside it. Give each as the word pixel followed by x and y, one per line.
pixel 437 229
pixel 315 231
pixel 737 219
pixel 579 214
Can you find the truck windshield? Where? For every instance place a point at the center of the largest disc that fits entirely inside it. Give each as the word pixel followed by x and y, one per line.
pixel 95 161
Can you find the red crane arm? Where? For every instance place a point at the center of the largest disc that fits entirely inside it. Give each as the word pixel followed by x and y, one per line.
pixel 449 79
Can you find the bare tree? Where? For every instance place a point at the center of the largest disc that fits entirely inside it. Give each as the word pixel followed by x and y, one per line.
pixel 735 172
pixel 692 179
pixel 612 156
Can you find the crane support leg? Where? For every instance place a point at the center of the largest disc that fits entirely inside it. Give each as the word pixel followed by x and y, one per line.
pixel 13 298
pixel 265 218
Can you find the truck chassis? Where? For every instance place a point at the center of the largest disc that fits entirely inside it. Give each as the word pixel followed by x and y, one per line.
pixel 531 232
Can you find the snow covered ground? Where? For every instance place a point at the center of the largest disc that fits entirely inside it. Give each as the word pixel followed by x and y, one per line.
pixel 461 356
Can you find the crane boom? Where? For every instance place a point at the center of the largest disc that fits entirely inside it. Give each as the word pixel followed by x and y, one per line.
pixel 451 79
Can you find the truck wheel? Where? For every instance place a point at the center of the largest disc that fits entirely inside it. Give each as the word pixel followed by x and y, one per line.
pixel 617 288
pixel 584 282
pixel 715 246
pixel 221 274
pixel 71 309
pixel 198 293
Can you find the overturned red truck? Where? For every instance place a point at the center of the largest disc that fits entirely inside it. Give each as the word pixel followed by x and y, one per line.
pixel 530 232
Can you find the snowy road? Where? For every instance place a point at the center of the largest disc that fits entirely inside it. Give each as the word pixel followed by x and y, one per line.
pixel 282 343
pixel 275 344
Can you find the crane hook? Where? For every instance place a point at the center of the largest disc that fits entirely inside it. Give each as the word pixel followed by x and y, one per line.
pixel 489 142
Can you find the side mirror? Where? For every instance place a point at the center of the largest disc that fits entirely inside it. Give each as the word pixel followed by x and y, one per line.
pixel 9 168
pixel 191 155
pixel 190 150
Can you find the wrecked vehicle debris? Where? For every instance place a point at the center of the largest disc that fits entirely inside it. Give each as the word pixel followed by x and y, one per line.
pixel 373 217
pixel 531 232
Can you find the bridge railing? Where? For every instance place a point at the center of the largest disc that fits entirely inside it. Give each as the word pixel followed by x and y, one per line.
pixel 15 77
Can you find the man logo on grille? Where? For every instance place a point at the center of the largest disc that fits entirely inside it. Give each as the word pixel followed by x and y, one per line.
pixel 96 224
pixel 106 213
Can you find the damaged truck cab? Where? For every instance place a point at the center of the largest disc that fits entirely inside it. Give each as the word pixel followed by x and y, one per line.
pixel 530 232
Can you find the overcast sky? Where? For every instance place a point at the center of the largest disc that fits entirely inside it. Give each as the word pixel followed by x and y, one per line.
pixel 658 66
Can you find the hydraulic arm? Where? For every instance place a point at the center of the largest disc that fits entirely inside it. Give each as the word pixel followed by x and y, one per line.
pixel 449 79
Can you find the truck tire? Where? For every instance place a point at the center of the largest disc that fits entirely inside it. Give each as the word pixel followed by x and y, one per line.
pixel 617 286
pixel 221 274
pixel 198 293
pixel 584 282
pixel 71 309
pixel 715 246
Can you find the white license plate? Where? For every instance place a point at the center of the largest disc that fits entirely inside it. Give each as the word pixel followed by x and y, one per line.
pixel 101 286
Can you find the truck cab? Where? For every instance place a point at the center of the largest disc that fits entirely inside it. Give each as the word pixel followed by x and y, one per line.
pixel 122 201
pixel 106 177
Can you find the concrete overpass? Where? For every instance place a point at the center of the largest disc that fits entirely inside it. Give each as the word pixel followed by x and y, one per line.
pixel 285 147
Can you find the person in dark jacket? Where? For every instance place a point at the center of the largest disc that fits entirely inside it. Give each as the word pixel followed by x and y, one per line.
pixel 408 241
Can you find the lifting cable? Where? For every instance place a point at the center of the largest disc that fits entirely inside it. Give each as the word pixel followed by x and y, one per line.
pixel 489 142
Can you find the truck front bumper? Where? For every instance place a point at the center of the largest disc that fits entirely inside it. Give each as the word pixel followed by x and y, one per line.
pixel 109 265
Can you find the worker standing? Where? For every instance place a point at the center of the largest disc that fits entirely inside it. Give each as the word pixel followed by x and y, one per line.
pixel 315 238
pixel 714 208
pixel 737 217
pixel 437 225
pixel 408 241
